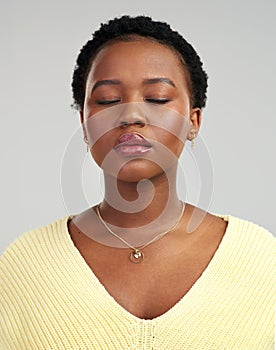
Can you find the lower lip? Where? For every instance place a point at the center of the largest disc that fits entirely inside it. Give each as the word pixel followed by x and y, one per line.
pixel 132 150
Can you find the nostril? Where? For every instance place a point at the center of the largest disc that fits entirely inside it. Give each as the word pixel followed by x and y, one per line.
pixel 123 124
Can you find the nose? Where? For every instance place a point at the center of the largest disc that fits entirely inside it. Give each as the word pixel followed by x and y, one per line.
pixel 131 114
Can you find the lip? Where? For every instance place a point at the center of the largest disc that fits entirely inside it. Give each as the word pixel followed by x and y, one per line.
pixel 131 139
pixel 130 144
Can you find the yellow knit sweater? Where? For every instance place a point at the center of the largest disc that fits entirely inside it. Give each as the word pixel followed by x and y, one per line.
pixel 50 298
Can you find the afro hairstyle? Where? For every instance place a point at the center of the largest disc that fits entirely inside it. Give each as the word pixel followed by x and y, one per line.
pixel 120 29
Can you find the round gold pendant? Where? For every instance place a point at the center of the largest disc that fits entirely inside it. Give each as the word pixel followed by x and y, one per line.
pixel 136 256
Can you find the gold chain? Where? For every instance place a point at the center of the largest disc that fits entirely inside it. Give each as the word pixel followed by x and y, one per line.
pixel 137 256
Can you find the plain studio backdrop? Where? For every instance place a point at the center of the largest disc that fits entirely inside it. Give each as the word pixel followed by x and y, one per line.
pixel 45 173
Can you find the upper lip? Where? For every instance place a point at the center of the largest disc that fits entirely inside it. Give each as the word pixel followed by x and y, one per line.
pixel 132 138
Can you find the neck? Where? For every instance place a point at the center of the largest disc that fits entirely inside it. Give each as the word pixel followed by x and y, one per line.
pixel 135 204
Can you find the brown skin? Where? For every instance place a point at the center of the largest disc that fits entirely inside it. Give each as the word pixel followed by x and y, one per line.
pixel 131 63
pixel 176 261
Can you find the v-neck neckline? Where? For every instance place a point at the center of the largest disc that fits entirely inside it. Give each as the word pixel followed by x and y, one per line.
pixel 83 267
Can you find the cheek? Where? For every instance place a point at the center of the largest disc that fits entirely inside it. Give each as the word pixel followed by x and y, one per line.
pixel 102 147
pixel 174 142
pixel 175 145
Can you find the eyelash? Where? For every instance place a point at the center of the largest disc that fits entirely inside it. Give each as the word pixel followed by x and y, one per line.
pixel 151 100
pixel 159 101
pixel 106 102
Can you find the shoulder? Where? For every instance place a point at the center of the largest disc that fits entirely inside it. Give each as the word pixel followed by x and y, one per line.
pixel 37 257
pixel 233 226
pixel 248 230
pixel 250 245
pixel 33 242
pixel 242 239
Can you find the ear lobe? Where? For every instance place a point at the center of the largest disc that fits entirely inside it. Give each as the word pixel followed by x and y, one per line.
pixel 195 118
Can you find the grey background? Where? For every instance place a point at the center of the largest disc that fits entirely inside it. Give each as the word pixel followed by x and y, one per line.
pixel 40 41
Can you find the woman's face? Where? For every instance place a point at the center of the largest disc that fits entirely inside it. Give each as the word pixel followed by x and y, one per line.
pixel 124 73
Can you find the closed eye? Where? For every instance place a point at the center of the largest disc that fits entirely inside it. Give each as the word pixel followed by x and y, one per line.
pixel 157 100
pixel 106 102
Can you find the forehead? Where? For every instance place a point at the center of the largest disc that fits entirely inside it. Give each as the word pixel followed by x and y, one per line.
pixel 137 59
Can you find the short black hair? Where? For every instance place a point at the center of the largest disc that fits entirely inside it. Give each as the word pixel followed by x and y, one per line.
pixel 120 29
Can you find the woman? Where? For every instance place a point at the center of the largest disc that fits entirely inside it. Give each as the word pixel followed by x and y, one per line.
pixel 141 269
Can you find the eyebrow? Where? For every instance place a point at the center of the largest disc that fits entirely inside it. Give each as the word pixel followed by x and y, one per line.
pixel 159 80
pixel 105 82
pixel 145 82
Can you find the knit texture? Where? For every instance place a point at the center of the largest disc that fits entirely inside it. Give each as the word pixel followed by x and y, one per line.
pixel 51 299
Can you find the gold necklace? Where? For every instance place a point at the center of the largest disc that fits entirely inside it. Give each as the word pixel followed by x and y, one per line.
pixel 137 256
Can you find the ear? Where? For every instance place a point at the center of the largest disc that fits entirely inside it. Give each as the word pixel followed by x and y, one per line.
pixel 81 116
pixel 81 120
pixel 195 118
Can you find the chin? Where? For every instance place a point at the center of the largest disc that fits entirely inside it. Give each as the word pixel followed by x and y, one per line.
pixel 136 171
pixel 139 169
